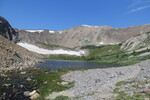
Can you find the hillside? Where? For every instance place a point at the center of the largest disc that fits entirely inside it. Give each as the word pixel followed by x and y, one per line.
pixel 13 56
pixel 80 36
pixel 137 42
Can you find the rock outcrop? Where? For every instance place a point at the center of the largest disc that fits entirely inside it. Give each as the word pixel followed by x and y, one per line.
pixel 13 56
pixel 7 31
pixel 137 42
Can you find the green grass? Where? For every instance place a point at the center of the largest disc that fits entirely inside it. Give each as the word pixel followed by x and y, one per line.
pixel 124 94
pixel 65 57
pixel 102 51
pixel 120 83
pixel 106 54
pixel 44 80
pixel 103 55
pixel 48 83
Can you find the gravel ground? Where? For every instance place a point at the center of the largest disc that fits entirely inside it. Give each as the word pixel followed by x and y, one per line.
pixel 96 84
pixel 145 70
pixel 134 88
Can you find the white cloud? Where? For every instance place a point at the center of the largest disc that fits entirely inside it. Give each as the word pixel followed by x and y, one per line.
pixel 135 3
pixel 137 9
pixel 138 5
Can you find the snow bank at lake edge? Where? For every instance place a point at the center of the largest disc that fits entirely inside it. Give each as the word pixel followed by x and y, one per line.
pixel 39 50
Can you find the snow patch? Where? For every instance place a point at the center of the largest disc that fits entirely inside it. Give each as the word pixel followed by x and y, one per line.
pixel 89 26
pixel 32 31
pixel 51 31
pixel 36 49
pixel 101 43
pixel 132 26
pixel 112 43
pixel 60 32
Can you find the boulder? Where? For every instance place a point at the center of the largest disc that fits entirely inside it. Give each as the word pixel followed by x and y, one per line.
pixel 32 93
pixel 34 96
pixel 64 83
pixel 146 91
pixel 26 93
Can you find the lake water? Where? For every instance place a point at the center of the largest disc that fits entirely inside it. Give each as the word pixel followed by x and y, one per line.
pixel 64 64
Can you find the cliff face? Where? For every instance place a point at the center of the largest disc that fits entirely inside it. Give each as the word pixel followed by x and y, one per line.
pixel 7 31
pixel 137 42
pixel 12 56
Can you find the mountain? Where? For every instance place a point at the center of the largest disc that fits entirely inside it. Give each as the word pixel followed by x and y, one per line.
pixel 80 36
pixel 7 31
pixel 137 42
pixel 13 56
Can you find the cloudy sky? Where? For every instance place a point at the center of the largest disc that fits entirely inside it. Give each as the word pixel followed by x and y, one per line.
pixel 63 14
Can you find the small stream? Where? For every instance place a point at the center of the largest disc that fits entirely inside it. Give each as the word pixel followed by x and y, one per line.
pixel 66 64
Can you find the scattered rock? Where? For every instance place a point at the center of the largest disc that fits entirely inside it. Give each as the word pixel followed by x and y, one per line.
pixel 23 73
pixel 34 96
pixel 45 82
pixel 100 81
pixel 29 79
pixel 6 85
pixel 26 93
pixel 146 98
pixel 64 83
pixel 32 93
pixel 146 91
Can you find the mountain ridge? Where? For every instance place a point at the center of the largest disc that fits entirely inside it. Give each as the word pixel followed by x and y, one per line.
pixel 82 25
pixel 83 35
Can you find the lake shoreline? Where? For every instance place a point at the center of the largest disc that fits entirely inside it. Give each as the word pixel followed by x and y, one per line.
pixel 110 77
pixel 69 64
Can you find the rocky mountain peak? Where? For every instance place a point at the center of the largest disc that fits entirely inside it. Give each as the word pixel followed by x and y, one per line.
pixel 7 31
pixel 13 56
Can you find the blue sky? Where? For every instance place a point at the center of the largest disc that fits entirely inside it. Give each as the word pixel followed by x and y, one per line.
pixel 63 14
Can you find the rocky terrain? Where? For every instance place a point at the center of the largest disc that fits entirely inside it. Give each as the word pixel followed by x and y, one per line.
pixel 7 31
pixel 81 36
pixel 102 84
pixel 13 56
pixel 137 42
pixel 96 84
pixel 13 60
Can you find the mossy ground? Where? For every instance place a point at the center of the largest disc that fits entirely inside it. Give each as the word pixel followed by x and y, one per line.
pixel 44 80
pixel 124 94
pixel 47 82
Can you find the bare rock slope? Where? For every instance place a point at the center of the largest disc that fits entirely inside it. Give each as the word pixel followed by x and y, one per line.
pixel 7 31
pixel 82 35
pixel 137 42
pixel 12 56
